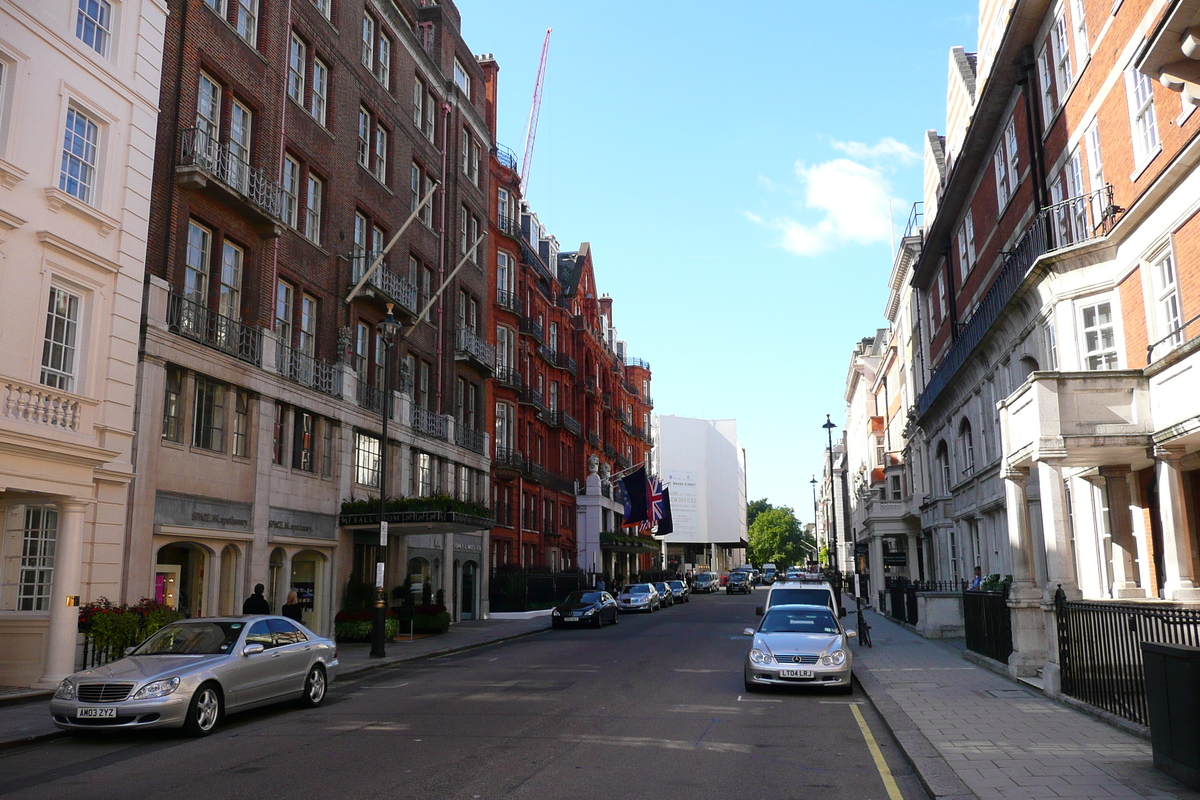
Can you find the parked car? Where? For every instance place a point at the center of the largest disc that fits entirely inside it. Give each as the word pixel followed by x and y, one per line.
pixel 680 591
pixel 811 592
pixel 191 673
pixel 665 593
pixel 704 583
pixel 585 608
pixel 799 645
pixel 639 597
pixel 739 582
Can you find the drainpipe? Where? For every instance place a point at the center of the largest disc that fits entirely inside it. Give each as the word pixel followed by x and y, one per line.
pixel 1034 127
pixel 442 254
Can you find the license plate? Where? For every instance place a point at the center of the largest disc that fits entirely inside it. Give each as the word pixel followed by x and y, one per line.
pixel 795 673
pixel 96 713
pixel 570 619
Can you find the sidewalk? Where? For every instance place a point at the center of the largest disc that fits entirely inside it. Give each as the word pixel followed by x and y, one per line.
pixel 973 734
pixel 27 720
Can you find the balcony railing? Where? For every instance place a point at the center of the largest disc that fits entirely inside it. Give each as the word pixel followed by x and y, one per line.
pixel 397 289
pixel 532 328
pixel 630 361
pixel 467 344
pixel 510 377
pixel 510 301
pixel 307 371
pixel 593 439
pixel 465 437
pixel 533 397
pixel 505 157
pixel 192 320
pixel 547 354
pixel 610 451
pixel 649 401
pixel 217 160
pixel 370 398
pixel 561 419
pixel 41 405
pixel 509 226
pixel 1066 224
pixel 589 384
pixel 426 422
pixel 560 360
pixel 507 458
pixel 619 415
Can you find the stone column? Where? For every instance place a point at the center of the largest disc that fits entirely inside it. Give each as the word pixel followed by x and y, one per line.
pixel 1141 535
pixel 1120 523
pixel 1024 599
pixel 1060 561
pixel 211 607
pixel 913 573
pixel 875 566
pixel 1177 539
pixel 139 541
pixel 485 575
pixel 448 575
pixel 64 592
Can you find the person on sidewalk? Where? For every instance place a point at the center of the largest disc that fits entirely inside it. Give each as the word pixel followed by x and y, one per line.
pixel 292 608
pixel 977 583
pixel 256 603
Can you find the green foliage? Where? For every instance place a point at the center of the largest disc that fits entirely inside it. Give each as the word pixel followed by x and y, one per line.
pixel 393 505
pixel 359 595
pixel 114 627
pixel 994 583
pixel 775 537
pixel 754 508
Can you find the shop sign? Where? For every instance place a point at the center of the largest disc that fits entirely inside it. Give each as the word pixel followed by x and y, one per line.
pixel 304 524
pixel 895 559
pixel 188 511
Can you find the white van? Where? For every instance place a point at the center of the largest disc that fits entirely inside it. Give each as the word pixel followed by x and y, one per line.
pixel 808 593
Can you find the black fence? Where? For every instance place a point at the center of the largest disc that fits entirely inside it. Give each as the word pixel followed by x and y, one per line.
pixel 93 654
pixel 987 623
pixel 1100 649
pixel 522 590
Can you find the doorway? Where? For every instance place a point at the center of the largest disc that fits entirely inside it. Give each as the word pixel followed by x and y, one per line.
pixel 180 566
pixel 470 577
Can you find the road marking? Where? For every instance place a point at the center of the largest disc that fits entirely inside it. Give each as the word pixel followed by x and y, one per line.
pixel 889 782
pixel 393 686
pixel 756 700
pixel 704 670
pixel 841 702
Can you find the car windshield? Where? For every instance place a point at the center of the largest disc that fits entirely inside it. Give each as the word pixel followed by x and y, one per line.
pixel 662 587
pixel 737 577
pixel 637 588
pixel 705 578
pixel 191 639
pixel 583 597
pixel 783 620
pixel 805 597
pixel 676 584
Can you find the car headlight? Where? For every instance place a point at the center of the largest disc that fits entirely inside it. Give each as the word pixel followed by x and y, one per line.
pixel 834 659
pixel 589 611
pixel 65 690
pixel 157 689
pixel 555 613
pixel 761 656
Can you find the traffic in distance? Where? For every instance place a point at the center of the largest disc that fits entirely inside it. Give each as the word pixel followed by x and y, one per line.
pixel 191 673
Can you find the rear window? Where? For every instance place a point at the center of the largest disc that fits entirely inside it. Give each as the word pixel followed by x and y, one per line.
pixel 806 597
pixel 637 588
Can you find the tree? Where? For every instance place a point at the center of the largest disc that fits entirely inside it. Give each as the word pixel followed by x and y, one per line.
pixel 775 538
pixel 754 508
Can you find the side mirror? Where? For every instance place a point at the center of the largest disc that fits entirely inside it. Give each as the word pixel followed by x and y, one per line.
pixel 747 631
pixel 129 650
pixel 851 634
pixel 252 649
pixel 758 610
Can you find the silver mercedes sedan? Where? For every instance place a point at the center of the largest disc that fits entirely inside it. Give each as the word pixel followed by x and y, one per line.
pixel 799 645
pixel 191 673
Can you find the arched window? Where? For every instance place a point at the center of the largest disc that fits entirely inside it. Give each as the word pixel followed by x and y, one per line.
pixel 1028 366
pixel 966 447
pixel 943 467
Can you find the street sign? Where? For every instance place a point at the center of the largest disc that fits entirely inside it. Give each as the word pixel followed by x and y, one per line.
pixel 895 559
pixel 383 533
pixel 861 549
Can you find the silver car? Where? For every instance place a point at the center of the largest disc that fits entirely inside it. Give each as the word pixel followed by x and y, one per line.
pixel 191 673
pixel 799 645
pixel 639 597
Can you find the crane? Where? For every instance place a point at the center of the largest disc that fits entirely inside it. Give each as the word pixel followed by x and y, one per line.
pixel 535 109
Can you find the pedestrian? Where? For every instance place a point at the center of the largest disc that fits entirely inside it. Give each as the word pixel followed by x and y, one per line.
pixel 292 608
pixel 256 603
pixel 977 583
pixel 600 585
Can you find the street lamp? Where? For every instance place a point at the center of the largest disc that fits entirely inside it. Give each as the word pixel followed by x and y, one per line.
pixel 816 543
pixel 829 426
pixel 387 328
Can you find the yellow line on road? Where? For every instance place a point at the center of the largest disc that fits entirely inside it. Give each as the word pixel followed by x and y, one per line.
pixel 888 781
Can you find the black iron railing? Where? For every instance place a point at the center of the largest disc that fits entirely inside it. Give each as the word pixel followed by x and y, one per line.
pixel 397 289
pixel 505 157
pixel 1100 649
pixel 533 328
pixel 429 423
pixel 510 377
pixel 988 624
pixel 468 344
pixel 217 159
pixel 630 361
pixel 370 398
pixel 509 300
pixel 307 370
pixel 192 320
pixel 465 437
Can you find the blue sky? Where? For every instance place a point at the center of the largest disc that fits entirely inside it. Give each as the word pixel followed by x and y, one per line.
pixel 731 165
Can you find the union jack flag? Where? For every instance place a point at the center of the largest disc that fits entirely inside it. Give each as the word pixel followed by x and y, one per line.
pixel 654 500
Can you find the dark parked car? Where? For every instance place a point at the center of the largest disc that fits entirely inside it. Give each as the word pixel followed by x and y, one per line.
pixel 739 582
pixel 680 591
pixel 585 608
pixel 664 592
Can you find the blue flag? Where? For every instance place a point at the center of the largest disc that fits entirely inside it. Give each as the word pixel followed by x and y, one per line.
pixel 635 497
pixel 666 524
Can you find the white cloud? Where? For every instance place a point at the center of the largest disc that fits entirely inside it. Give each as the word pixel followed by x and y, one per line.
pixel 853 199
pixel 885 149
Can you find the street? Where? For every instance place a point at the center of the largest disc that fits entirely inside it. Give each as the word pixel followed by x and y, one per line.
pixel 651 708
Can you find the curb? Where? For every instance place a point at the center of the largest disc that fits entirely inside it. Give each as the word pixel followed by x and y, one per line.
pixel 936 776
pixel 9 744
pixel 28 697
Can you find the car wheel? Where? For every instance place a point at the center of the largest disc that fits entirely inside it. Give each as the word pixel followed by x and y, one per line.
pixel 616 617
pixel 314 688
pixel 204 712
pixel 599 620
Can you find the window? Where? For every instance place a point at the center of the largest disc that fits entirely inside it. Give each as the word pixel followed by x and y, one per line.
pixel 1099 337
pixel 966 445
pixel 465 484
pixel 208 421
pixel 461 79
pixel 943 462
pixel 80 140
pixel 323 6
pixel 383 69
pixel 966 246
pixel 238 173
pixel 418 107
pixel 246 23
pixel 312 209
pixel 172 429
pixel 296 65
pixel 427 209
pixel 303 441
pixel 1166 299
pixel 502 208
pixel 1054 68
pixel 241 425
pixel 941 295
pixel 364 138
pixel 320 90
pixel 1079 29
pixel 896 488
pixel 423 385
pixel 327 448
pixel 1069 204
pixel 424 109
pixel 277 445
pixel 33 560
pixel 464 217
pixel 366 460
pixel 1095 168
pixel 208 115
pixel 1005 164
pixel 360 349
pixel 283 313
pixel 372 145
pixel 308 325
pixel 470 157
pixel 93 24
pixel 360 244
pixel 381 148
pixel 1051 339
pixel 424 474
pixel 60 341
pixel 1139 90
pixel 368 41
pixel 291 190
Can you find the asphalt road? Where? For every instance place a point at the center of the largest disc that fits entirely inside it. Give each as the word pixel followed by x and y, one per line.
pixel 651 708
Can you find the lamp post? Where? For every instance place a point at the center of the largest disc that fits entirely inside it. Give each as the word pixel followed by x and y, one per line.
pixel 387 328
pixel 829 426
pixel 816 543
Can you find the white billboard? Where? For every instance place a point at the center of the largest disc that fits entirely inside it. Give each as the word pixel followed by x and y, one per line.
pixel 702 462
